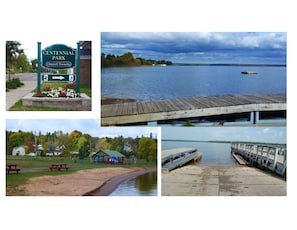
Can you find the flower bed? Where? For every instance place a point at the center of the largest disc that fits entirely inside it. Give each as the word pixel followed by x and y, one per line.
pixel 60 92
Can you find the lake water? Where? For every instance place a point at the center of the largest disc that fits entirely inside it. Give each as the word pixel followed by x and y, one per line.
pixel 171 82
pixel 143 185
pixel 212 153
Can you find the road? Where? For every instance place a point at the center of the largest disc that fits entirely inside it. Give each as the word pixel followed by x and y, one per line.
pixel 24 76
pixel 30 83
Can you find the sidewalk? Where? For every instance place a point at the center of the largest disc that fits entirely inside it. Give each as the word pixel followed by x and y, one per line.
pixel 16 94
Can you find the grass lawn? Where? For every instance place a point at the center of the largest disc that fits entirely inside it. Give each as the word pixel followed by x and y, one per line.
pixel 34 167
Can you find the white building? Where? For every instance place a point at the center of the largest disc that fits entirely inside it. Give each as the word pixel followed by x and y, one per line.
pixel 19 151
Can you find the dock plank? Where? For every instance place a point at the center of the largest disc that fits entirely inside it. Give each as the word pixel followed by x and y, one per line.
pixel 190 107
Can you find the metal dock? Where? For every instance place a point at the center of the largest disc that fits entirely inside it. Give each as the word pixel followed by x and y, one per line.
pixel 264 156
pixel 174 158
pixel 154 111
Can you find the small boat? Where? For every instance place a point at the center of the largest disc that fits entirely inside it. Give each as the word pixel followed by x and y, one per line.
pixel 174 158
pixel 249 72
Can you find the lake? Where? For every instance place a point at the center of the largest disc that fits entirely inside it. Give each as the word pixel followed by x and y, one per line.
pixel 143 185
pixel 213 153
pixel 170 82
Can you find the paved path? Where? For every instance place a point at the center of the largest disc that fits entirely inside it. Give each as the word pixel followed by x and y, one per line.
pixel 30 83
pixel 221 181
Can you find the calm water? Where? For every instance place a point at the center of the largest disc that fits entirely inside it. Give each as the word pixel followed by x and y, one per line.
pixel 143 185
pixel 170 82
pixel 212 153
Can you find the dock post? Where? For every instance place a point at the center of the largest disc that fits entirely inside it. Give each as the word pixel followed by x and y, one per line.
pixel 152 123
pixel 255 117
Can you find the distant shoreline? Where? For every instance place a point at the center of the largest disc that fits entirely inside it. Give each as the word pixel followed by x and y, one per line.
pixel 227 142
pixel 201 64
pixel 224 64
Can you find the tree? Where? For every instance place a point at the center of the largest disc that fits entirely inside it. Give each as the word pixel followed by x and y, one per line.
pixel 102 143
pixel 84 150
pixel 12 53
pixel 19 138
pixel 147 149
pixel 29 142
pixel 22 64
pixel 118 144
pixel 34 63
pixel 126 59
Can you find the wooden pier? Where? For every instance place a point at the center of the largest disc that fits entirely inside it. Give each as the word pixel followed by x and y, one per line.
pixel 141 112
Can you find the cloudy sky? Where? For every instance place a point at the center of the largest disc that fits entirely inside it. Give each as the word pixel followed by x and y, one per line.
pixel 186 47
pixel 29 45
pixel 89 126
pixel 252 134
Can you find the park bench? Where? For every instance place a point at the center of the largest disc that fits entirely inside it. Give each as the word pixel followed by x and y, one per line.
pixel 12 168
pixel 59 167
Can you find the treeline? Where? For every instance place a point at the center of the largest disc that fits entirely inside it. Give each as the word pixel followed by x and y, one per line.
pixel 16 59
pixel 127 59
pixel 83 144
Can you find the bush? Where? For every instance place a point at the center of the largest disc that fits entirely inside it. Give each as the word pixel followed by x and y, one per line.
pixel 13 83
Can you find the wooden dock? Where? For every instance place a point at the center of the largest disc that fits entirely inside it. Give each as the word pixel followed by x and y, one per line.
pixel 138 112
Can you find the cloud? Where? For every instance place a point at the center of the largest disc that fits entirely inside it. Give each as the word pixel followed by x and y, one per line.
pixel 199 47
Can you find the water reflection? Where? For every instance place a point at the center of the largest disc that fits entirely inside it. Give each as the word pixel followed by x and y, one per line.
pixel 143 185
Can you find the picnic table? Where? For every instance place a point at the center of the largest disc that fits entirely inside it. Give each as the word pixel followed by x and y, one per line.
pixel 59 167
pixel 12 168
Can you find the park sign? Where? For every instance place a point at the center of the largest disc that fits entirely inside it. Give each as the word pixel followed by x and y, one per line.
pixel 58 56
pixel 58 77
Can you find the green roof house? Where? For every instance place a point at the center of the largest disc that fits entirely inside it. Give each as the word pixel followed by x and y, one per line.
pixel 109 157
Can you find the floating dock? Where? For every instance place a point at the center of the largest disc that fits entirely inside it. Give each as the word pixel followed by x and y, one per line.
pixel 239 159
pixel 154 111
pixel 174 158
pixel 271 157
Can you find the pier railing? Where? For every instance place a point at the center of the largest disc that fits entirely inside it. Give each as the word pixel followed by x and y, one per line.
pixel 272 157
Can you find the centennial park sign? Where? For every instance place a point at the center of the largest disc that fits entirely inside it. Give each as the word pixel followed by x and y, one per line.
pixel 57 57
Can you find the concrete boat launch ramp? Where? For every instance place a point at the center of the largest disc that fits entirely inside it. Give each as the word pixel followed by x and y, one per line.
pixel 193 180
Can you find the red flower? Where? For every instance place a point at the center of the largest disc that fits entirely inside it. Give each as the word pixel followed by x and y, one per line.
pixel 38 94
pixel 61 94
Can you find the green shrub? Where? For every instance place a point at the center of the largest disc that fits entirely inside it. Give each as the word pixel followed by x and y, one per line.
pixel 13 83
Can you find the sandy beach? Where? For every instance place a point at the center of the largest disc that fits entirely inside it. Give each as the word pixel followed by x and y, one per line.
pixel 85 182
